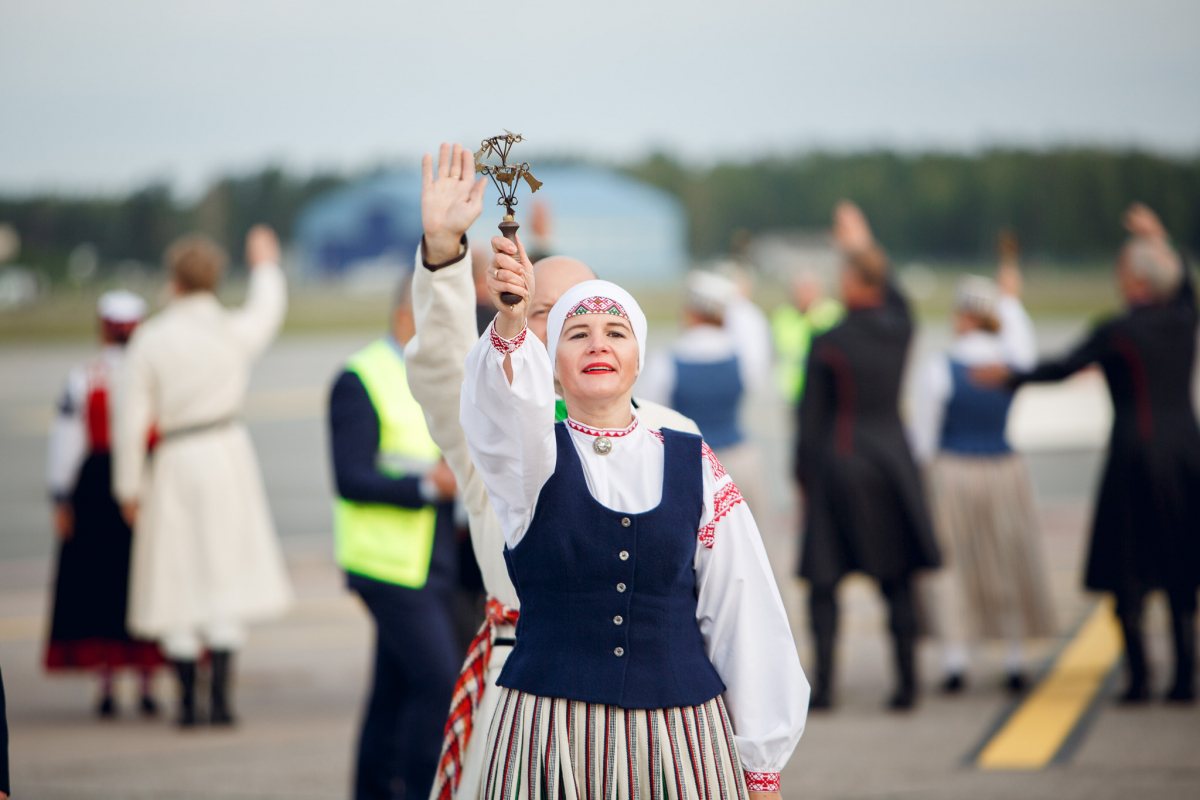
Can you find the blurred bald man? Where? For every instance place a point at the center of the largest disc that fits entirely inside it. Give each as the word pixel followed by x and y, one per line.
pixel 444 304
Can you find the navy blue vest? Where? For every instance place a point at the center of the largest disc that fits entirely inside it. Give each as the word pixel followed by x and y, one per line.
pixel 608 600
pixel 709 393
pixel 975 416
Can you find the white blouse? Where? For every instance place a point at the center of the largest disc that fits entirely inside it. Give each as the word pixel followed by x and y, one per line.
pixel 510 434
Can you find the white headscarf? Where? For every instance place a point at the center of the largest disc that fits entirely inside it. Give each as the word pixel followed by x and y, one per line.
pixel 596 297
pixel 121 307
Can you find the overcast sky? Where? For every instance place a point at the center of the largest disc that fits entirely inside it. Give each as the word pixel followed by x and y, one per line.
pixel 102 96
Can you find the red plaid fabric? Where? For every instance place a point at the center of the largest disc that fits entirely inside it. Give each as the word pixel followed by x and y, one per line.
pixel 468 692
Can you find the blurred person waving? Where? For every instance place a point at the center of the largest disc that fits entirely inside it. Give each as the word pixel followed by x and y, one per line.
pixel 1146 526
pixel 994 585
pixel 394 528
pixel 88 629
pixel 864 504
pixel 206 557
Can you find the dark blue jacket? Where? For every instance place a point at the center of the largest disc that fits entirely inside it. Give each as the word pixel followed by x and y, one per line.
pixel 608 600
pixel 710 393
pixel 975 416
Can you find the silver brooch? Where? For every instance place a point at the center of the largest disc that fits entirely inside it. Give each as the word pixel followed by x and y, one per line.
pixel 602 445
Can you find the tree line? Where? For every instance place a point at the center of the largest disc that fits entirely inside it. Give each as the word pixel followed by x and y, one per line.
pixel 1063 205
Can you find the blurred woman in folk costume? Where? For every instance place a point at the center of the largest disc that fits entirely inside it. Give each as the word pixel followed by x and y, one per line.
pixel 653 656
pixel 994 584
pixel 88 628
pixel 707 373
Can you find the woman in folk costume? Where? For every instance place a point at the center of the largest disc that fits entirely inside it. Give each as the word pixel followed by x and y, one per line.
pixel 994 585
pixel 206 558
pixel 444 304
pixel 654 658
pixel 90 591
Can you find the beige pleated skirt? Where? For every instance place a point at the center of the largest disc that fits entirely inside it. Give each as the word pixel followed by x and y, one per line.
pixel 994 582
pixel 550 749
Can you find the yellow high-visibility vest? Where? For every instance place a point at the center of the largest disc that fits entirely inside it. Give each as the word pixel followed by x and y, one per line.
pixel 378 540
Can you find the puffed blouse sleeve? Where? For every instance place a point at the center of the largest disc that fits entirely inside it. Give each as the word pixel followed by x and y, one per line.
pixel 746 632
pixel 510 427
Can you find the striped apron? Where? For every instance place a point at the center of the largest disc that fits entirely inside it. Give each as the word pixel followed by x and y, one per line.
pixel 541 748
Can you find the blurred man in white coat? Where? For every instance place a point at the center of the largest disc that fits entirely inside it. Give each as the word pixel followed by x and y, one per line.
pixel 206 558
pixel 444 305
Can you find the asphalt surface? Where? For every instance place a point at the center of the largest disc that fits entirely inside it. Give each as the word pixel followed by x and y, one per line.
pixel 302 679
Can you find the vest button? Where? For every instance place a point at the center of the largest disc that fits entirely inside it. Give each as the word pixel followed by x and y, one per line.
pixel 623 555
pixel 618 619
pixel 625 523
pixel 620 651
pixel 620 587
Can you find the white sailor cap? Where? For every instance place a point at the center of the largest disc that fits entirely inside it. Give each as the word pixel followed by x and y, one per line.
pixel 121 307
pixel 709 293
pixel 978 296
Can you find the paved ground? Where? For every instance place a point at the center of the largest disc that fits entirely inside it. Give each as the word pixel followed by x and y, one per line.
pixel 302 679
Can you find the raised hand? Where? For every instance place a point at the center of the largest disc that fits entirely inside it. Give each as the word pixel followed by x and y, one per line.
pixel 450 202
pixel 262 246
pixel 510 271
pixel 1141 221
pixel 851 233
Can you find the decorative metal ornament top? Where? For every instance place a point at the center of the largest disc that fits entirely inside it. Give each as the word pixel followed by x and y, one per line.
pixel 602 445
pixel 505 177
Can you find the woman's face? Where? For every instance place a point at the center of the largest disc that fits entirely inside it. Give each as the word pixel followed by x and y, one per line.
pixel 597 357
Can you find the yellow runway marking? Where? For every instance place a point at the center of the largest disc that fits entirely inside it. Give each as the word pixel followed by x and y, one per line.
pixel 1035 733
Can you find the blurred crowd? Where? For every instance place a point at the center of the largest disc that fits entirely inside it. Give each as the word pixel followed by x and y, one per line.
pixel 167 549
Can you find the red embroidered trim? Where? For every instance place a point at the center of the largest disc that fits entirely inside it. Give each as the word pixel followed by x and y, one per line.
pixel 718 471
pixel 725 498
pixel 464 704
pixel 507 346
pixel 597 305
pixel 657 435
pixel 762 781
pixel 611 433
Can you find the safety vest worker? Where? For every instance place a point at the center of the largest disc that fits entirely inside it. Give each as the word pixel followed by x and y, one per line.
pixel 394 533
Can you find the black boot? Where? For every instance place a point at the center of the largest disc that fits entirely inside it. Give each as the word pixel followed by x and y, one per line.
pixel 822 694
pixel 902 622
pixel 822 612
pixel 1138 689
pixel 220 712
pixel 186 670
pixel 905 696
pixel 1183 627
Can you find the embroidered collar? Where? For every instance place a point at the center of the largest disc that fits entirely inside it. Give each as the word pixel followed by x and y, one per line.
pixel 597 305
pixel 612 433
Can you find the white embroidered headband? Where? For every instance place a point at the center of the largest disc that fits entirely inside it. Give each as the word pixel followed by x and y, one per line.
pixel 596 297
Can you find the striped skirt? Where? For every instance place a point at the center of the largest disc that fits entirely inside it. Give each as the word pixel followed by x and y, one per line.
pixel 551 749
pixel 994 584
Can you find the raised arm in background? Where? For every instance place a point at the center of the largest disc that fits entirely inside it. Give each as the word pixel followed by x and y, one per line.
pixel 258 321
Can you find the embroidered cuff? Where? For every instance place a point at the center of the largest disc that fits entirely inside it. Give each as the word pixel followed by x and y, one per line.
pixel 762 781
pixel 462 252
pixel 507 346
